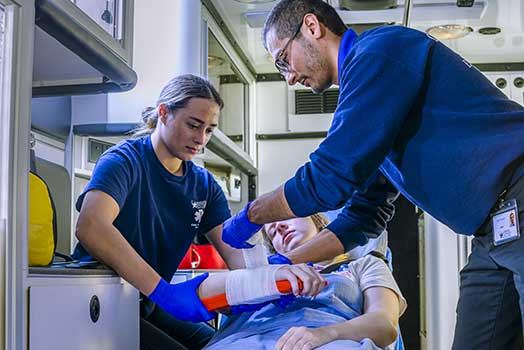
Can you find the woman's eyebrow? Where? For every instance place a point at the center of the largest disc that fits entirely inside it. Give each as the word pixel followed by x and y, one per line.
pixel 198 120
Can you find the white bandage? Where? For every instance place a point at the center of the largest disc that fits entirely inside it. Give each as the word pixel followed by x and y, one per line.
pixel 256 256
pixel 252 286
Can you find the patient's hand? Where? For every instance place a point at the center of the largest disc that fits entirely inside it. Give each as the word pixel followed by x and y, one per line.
pixel 312 281
pixel 302 338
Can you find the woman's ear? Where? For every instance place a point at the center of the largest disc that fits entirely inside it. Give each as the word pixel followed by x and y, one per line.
pixel 163 111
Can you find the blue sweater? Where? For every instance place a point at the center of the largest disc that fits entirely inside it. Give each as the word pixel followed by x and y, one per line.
pixel 439 130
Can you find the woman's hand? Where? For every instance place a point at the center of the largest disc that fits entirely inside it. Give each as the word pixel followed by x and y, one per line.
pixel 312 281
pixel 302 338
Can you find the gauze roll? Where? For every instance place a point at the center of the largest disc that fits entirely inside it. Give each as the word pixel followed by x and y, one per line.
pixel 252 286
pixel 256 256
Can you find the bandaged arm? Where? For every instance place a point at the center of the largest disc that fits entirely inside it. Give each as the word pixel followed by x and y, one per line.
pixel 258 285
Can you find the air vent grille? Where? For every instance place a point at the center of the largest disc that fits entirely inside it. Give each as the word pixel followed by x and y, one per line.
pixel 306 102
pixel 330 100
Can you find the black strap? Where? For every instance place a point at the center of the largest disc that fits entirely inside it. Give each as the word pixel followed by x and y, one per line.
pixel 336 266
pixel 32 161
pixel 64 256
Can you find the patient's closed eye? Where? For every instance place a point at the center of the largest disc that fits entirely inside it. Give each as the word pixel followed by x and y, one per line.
pixel 271 230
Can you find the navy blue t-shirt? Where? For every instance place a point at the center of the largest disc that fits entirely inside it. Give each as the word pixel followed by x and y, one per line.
pixel 433 124
pixel 160 213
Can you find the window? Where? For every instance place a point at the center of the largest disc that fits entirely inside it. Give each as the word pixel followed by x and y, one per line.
pixel 234 91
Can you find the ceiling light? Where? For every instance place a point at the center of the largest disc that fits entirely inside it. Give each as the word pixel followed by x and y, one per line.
pixel 359 5
pixel 214 61
pixel 449 31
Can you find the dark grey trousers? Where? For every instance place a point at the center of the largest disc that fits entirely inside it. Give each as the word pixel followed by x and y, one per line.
pixel 161 331
pixel 490 309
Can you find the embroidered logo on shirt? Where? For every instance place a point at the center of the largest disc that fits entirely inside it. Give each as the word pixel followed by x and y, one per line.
pixel 199 212
pixel 199 204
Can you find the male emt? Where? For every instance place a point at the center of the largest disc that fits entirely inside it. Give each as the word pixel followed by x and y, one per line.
pixel 434 126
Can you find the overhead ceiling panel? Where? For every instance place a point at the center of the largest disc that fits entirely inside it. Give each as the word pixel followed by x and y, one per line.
pixel 245 22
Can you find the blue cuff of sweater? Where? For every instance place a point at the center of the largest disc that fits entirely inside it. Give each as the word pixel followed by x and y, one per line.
pixel 349 235
pixel 295 199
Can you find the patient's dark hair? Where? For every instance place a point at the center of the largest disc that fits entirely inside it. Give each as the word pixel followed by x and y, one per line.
pixel 288 14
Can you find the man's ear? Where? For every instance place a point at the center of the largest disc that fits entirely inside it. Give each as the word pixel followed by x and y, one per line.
pixel 313 26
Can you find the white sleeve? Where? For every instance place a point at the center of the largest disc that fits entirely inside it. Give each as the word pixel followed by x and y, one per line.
pixel 370 271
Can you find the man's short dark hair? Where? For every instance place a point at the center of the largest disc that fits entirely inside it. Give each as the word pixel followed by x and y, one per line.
pixel 288 14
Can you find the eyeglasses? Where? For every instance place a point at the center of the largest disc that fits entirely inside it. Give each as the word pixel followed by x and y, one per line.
pixel 280 62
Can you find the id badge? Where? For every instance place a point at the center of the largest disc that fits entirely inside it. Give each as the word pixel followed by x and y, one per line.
pixel 506 223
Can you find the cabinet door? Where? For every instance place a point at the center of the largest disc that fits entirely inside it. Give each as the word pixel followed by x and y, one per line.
pixel 102 316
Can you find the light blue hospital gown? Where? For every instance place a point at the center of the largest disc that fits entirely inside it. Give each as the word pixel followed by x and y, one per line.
pixel 341 300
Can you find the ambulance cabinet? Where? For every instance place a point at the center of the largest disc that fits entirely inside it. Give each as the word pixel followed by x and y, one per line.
pixel 82 312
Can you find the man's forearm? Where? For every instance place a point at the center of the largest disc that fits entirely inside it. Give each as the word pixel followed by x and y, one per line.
pixel 323 246
pixel 270 207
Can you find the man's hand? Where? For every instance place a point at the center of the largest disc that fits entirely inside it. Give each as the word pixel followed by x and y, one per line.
pixel 238 229
pixel 302 338
pixel 181 300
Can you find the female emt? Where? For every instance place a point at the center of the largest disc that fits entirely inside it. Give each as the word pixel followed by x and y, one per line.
pixel 145 203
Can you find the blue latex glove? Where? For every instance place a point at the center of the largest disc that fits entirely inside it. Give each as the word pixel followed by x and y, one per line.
pixel 238 229
pixel 181 300
pixel 278 259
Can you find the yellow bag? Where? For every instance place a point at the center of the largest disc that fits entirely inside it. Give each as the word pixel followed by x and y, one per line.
pixel 42 223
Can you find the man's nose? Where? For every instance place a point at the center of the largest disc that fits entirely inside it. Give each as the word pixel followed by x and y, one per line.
pixel 291 76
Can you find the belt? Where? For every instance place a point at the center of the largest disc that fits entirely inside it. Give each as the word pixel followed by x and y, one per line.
pixel 517 177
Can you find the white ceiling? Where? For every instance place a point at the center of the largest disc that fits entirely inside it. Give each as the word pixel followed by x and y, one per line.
pixel 507 46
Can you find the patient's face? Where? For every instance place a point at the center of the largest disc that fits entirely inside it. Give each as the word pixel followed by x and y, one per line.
pixel 289 234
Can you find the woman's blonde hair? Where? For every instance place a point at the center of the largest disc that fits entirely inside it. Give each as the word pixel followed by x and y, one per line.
pixel 176 94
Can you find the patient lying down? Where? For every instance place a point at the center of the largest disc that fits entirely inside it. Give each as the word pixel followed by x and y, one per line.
pixel 358 309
